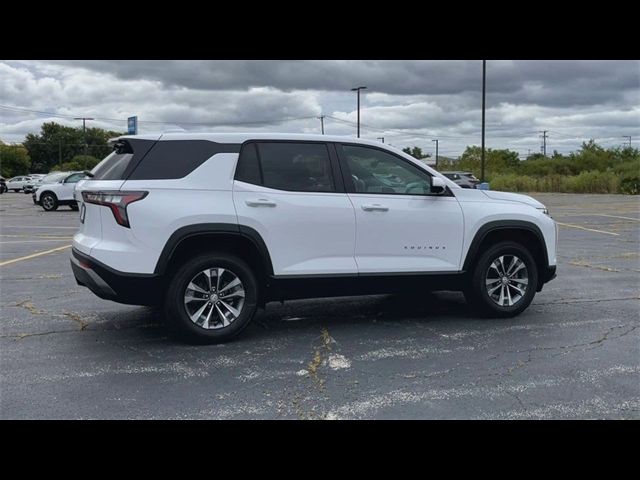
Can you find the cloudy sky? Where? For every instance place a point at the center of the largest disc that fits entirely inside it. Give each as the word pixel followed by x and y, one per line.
pixel 406 102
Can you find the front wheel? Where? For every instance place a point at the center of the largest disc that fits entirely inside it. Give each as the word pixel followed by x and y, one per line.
pixel 211 298
pixel 504 281
pixel 49 202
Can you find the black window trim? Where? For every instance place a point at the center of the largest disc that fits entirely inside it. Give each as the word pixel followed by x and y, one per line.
pixel 350 186
pixel 334 164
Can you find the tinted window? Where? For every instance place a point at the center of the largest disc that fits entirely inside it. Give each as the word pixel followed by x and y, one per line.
pixel 118 164
pixel 112 167
pixel 172 159
pixel 299 167
pixel 248 169
pixel 375 171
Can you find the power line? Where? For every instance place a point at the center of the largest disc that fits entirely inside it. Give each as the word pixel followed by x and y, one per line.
pixel 544 142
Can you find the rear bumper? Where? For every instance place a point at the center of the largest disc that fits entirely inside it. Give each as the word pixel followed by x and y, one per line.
pixel 110 284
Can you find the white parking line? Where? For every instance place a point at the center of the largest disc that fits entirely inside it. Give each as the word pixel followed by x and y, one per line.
pixel 66 239
pixel 34 226
pixel 34 255
pixel 587 229
pixel 617 216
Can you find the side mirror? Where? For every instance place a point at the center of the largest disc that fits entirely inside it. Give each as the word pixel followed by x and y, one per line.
pixel 438 186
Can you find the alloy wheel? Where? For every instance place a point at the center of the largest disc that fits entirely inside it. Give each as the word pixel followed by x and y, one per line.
pixel 214 298
pixel 507 280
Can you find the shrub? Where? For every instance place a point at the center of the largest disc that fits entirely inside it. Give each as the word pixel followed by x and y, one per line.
pixel 79 162
pixel 586 182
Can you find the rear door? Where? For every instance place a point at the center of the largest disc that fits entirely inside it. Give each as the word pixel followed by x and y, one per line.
pixel 291 194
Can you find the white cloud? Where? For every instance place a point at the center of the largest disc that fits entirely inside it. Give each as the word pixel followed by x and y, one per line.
pixel 407 102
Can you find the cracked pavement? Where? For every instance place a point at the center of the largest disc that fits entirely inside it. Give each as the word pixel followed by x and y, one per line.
pixel 575 353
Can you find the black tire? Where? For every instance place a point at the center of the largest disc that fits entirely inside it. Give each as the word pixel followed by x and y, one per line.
pixel 49 201
pixel 177 317
pixel 477 291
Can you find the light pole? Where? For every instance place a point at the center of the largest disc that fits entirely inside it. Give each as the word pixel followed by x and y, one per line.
pixel 381 139
pixel 436 140
pixel 357 89
pixel 484 81
pixel 321 117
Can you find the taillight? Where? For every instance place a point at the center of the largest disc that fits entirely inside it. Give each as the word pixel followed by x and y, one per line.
pixel 117 201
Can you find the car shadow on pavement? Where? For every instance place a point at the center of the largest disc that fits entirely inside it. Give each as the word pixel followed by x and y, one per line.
pixel 305 315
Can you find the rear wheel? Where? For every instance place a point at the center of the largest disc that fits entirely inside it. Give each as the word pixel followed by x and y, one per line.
pixel 49 202
pixel 504 281
pixel 211 298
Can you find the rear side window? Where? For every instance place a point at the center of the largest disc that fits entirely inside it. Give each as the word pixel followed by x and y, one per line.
pixel 171 159
pixel 298 167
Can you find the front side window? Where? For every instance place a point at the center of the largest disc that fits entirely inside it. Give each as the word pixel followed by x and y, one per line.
pixel 375 171
pixel 75 178
pixel 298 167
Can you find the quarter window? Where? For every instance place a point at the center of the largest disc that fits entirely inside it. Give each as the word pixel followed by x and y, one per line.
pixel 375 171
pixel 248 169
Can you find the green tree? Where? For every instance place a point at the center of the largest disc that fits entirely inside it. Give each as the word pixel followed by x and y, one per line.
pixel 79 162
pixel 57 144
pixel 14 160
pixel 496 161
pixel 416 152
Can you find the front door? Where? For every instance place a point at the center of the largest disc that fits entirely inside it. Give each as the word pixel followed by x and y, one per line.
pixel 401 227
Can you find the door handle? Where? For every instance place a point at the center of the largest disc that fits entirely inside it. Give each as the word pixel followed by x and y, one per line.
pixel 260 202
pixel 375 207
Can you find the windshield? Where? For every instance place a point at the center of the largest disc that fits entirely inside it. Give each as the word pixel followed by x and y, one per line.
pixel 52 177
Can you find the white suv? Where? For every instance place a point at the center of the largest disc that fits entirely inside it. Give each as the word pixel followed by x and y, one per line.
pixel 57 189
pixel 213 226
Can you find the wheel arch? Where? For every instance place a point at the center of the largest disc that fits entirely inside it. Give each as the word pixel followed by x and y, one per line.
pixel 526 233
pixel 239 239
pixel 48 191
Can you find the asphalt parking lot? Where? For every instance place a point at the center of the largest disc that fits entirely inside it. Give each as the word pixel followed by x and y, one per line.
pixel 575 353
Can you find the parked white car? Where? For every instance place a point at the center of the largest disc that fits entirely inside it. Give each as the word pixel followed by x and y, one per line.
pixel 57 189
pixel 213 226
pixel 17 183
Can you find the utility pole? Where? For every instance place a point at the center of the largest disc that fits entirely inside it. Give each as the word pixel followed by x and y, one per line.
pixel 629 137
pixel 436 140
pixel 84 130
pixel 381 139
pixel 357 89
pixel 484 90
pixel 321 117
pixel 544 142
